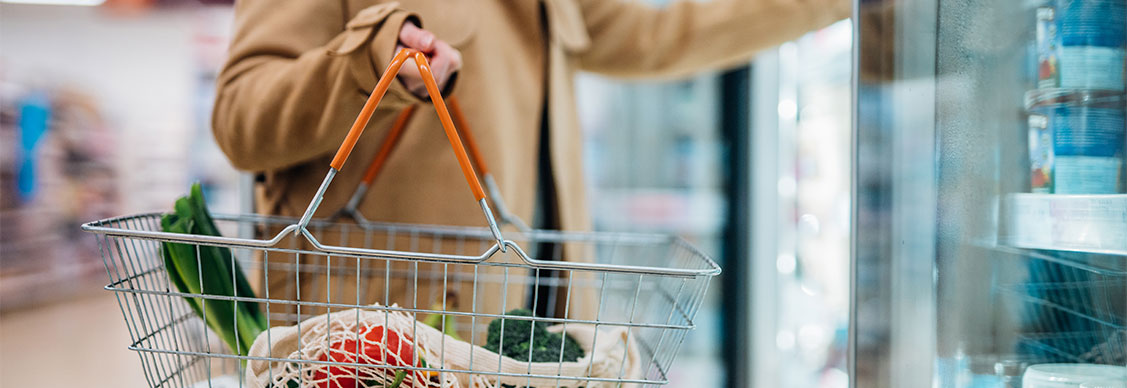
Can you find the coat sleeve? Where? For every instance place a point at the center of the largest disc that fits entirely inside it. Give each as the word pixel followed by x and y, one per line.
pixel 297 75
pixel 632 39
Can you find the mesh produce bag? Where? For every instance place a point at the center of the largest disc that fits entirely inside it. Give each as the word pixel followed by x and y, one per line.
pixel 390 339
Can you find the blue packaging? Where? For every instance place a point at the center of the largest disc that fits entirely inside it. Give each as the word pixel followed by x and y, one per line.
pixel 1082 44
pixel 1088 141
pixel 1101 23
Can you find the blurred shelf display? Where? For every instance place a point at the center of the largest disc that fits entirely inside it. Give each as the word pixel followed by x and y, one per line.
pixel 654 157
pixel 85 134
pixel 58 172
pixel 689 212
pixel 1085 223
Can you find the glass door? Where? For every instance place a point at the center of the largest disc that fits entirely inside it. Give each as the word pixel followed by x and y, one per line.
pixel 990 214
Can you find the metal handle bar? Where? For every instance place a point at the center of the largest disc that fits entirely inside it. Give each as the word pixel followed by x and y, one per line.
pixel 366 115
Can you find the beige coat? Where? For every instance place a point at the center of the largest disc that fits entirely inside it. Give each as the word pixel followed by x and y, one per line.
pixel 299 71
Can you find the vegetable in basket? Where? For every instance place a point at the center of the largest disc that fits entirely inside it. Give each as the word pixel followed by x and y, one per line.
pixel 377 345
pixel 213 272
pixel 521 335
pixel 445 323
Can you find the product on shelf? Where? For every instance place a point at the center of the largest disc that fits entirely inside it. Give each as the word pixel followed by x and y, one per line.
pixel 1040 154
pixel 1081 44
pixel 1077 141
pixel 1070 375
pixel 1109 383
pixel 1066 222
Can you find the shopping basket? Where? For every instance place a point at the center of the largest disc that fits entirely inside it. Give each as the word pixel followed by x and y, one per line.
pixel 639 291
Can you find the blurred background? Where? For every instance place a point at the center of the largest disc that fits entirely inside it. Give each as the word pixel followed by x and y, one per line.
pixel 103 111
pixel 106 112
pixel 934 195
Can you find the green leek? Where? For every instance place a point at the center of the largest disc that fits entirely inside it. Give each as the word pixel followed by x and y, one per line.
pixel 200 269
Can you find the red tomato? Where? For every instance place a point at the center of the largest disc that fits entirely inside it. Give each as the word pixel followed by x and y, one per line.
pixel 399 349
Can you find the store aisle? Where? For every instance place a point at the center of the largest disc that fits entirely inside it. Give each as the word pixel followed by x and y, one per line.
pixel 79 343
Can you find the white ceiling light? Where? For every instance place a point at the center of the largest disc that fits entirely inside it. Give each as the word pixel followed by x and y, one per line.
pixel 56 2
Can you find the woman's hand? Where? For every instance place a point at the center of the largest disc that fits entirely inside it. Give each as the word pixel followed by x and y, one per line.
pixel 444 59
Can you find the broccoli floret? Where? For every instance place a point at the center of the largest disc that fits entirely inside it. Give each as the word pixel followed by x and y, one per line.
pixel 520 335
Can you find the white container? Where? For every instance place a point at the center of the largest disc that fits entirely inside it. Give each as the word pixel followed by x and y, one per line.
pixel 1071 375
pixel 1105 384
pixel 1090 223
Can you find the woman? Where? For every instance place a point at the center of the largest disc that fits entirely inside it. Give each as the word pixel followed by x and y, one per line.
pixel 300 70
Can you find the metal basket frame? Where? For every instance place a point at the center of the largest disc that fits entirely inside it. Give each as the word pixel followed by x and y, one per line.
pixel 175 347
pixel 158 319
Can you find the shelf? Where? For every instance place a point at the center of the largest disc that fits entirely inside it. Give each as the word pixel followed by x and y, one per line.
pixel 1070 322
pixel 1084 347
pixel 1096 302
pixel 1079 223
pixel 1103 265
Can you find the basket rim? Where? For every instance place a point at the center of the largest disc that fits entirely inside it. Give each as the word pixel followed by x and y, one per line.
pixel 709 268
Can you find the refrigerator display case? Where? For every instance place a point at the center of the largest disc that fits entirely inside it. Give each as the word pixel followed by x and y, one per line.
pixel 990 220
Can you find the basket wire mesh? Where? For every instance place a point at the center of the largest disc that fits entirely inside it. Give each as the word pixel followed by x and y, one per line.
pixel 646 289
pixel 177 349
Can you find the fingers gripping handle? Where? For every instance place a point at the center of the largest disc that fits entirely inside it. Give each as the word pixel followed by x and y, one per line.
pixel 436 97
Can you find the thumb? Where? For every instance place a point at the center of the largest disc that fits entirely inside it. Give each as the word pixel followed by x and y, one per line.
pixel 417 38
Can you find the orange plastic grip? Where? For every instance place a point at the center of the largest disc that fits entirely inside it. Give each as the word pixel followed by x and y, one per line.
pixel 389 143
pixel 400 124
pixel 439 106
pixel 369 108
pixel 448 126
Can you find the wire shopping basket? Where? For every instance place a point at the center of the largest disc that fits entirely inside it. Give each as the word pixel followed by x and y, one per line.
pixel 346 299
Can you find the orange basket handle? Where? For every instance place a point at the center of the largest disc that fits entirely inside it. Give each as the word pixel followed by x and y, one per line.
pixel 400 124
pixel 490 183
pixel 389 143
pixel 467 135
pixel 377 163
pixel 439 106
pixel 397 127
pixel 366 115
